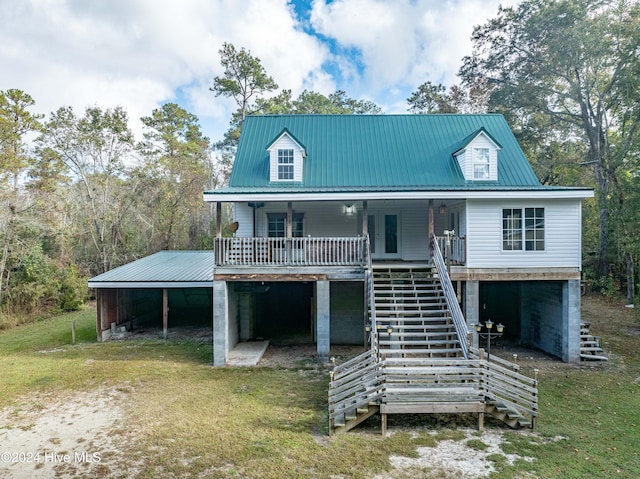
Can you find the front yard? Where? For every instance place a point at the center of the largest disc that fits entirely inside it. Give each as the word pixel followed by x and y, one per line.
pixel 150 408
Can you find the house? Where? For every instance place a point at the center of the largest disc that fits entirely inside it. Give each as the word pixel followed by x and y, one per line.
pixel 335 212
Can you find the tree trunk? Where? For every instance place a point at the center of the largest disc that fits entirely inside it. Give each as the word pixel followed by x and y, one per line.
pixel 631 285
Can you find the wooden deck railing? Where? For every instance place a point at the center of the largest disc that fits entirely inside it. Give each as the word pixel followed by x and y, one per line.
pixel 347 251
pixel 430 385
pixel 503 384
pixel 457 253
pixel 354 385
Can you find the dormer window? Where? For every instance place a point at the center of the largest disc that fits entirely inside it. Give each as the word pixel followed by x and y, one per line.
pixel 481 163
pixel 285 164
pixel 477 156
pixel 286 157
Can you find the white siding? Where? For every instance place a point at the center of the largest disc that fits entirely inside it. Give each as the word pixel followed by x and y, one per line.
pixel 562 235
pixel 243 214
pixel 462 163
pixel 285 142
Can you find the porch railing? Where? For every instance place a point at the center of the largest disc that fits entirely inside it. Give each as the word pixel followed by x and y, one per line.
pixel 456 253
pixel 309 251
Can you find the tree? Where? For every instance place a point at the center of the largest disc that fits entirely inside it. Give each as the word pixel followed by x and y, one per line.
pixel 314 103
pixel 95 150
pixel 16 121
pixel 576 63
pixel 177 168
pixel 244 78
pixel 430 98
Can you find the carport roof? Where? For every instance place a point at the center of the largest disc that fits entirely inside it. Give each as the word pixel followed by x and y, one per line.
pixel 166 269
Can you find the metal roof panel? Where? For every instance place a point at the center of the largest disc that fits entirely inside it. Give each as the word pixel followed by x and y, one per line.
pixel 177 268
pixel 376 152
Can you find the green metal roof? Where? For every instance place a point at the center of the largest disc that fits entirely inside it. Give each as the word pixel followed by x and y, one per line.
pixel 166 269
pixel 376 153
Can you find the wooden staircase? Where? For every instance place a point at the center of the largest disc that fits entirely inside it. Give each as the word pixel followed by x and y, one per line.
pixel 590 349
pixel 420 362
pixel 413 318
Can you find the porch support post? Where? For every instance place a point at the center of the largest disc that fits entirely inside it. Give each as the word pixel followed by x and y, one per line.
pixel 289 219
pixel 323 319
pixel 472 308
pixel 220 320
pixel 165 313
pixel 289 233
pixel 218 219
pixel 365 218
pixel 99 306
pixel 431 220
pixel 571 321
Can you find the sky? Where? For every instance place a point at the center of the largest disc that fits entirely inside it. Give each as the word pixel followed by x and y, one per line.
pixel 140 54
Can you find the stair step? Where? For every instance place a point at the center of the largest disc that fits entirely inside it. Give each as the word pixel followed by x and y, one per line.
pixel 408 307
pixel 390 352
pixel 433 342
pixel 414 334
pixel 593 357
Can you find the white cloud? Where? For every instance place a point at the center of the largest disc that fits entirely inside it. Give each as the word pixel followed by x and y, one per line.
pixel 141 53
pixel 402 43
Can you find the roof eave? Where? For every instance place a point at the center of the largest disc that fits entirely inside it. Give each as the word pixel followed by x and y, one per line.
pixel 521 193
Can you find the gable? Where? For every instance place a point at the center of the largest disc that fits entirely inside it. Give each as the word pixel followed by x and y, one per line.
pixel 478 157
pixel 374 152
pixel 286 158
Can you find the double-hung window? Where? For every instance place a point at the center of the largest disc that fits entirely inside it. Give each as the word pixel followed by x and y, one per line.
pixel 523 228
pixel 481 164
pixel 285 164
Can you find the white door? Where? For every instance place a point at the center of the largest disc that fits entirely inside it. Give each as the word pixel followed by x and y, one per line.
pixel 384 233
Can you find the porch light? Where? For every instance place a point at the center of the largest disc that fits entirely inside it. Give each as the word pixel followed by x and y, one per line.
pixel 389 329
pixel 500 327
pixel 489 324
pixel 443 208
pixel 349 209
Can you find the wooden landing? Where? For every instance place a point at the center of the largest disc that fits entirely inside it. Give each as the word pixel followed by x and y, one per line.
pixel 477 407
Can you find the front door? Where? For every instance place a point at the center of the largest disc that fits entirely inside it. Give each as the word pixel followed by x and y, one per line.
pixel 384 233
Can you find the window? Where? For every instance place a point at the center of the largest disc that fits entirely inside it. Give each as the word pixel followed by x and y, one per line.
pixel 285 164
pixel 534 229
pixel 511 229
pixel 481 164
pixel 278 225
pixel 517 233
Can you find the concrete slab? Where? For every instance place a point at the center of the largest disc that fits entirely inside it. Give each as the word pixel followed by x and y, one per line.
pixel 247 353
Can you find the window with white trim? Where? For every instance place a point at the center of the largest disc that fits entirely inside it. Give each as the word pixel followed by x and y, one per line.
pixel 481 164
pixel 523 228
pixel 285 164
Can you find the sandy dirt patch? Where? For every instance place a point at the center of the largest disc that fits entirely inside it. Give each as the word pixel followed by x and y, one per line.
pixel 454 459
pixel 64 437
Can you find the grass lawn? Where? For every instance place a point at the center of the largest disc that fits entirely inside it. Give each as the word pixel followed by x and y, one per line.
pixel 183 418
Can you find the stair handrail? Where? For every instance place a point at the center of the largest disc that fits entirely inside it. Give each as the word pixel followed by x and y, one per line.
pixel 450 296
pixel 373 334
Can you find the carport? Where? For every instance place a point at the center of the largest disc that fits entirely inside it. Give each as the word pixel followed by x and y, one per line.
pixel 167 289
